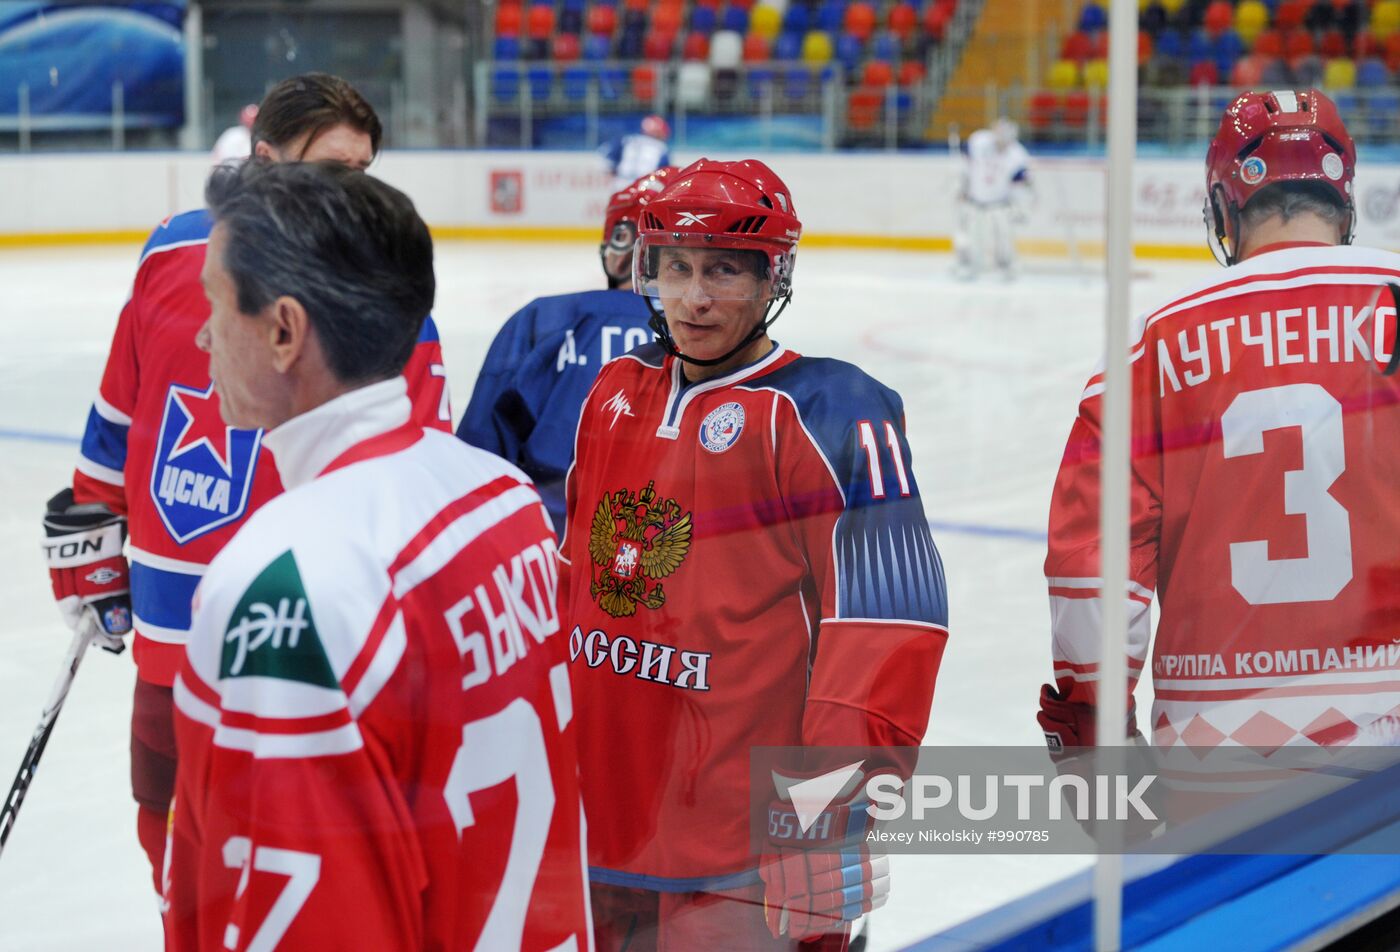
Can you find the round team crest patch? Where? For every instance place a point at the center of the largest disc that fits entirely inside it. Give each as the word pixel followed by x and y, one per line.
pixel 721 427
pixel 1253 170
pixel 1332 166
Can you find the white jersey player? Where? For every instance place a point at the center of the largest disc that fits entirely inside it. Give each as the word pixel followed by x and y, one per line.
pixel 995 193
pixel 638 154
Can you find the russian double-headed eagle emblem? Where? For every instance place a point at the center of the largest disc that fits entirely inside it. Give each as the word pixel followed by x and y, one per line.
pixel 637 539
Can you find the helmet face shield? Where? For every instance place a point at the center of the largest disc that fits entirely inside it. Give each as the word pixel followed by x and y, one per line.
pixel 668 268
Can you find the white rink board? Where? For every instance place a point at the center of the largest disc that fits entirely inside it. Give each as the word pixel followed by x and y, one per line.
pixel 990 375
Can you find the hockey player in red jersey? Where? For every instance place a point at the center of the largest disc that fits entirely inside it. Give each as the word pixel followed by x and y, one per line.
pixel 749 565
pixel 526 401
pixel 157 456
pixel 374 714
pixel 1263 500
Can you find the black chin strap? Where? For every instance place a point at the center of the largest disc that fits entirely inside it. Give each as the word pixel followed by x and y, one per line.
pixel 1394 363
pixel 663 333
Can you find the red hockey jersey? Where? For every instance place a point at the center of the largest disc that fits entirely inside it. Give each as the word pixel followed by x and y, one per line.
pixel 749 565
pixel 1264 511
pixel 156 449
pixel 374 717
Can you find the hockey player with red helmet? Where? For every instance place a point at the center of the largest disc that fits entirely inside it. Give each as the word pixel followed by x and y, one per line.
pixel 749 565
pixel 1263 512
pixel 631 156
pixel 526 401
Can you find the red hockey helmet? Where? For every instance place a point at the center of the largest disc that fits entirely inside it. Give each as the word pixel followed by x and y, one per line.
pixel 1267 138
pixel 708 204
pixel 656 127
pixel 620 223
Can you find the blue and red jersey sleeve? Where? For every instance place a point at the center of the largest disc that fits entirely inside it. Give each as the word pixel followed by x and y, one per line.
pixel 427 381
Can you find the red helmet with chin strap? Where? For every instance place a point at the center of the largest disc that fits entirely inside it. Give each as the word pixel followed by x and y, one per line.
pixel 708 204
pixel 620 223
pixel 1268 138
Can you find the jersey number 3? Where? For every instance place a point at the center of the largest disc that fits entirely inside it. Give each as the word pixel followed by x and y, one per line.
pixel 1326 569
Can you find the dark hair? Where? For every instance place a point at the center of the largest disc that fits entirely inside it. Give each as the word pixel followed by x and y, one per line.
pixel 313 103
pixel 1288 200
pixel 351 249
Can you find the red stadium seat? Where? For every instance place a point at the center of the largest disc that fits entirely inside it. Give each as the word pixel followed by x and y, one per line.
pixel 1290 15
pixel 508 18
pixel 657 46
pixel 903 20
pixel 1364 46
pixel 1269 43
pixel 637 6
pixel 1333 44
pixel 755 48
pixel 1098 45
pixel 1298 44
pixel 1247 72
pixel 708 4
pixel 860 20
pixel 863 112
pixel 936 17
pixel 644 82
pixel 1392 52
pixel 1043 110
pixel 1220 16
pixel 696 47
pixel 1205 73
pixel 1076 47
pixel 877 73
pixel 1144 47
pixel 911 73
pixel 540 22
pixel 602 19
pixel 1076 112
pixel 566 47
pixel 666 18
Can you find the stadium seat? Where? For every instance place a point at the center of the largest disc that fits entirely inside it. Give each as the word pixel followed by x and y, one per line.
pixel 1251 19
pixel 1064 74
pixel 596 48
pixel 574 82
pixel 666 19
pixel 860 20
pixel 1169 44
pixel 936 17
pixel 658 47
pixel 1173 7
pixel 1096 74
pixel 1228 48
pixel 1269 43
pixel 1247 72
pixel 505 84
pixel 1290 15
pixel 1364 46
pixel 1275 75
pixel 797 19
pixel 849 52
pixel 1218 16
pixel 703 20
pixel 1092 18
pixel 736 18
pixel 566 47
pixel 756 48
pixel 877 73
pixel 1043 113
pixel 644 82
pixel 1333 44
pixel 760 83
pixel 885 46
pixel 1384 107
pixel 1075 47
pixel 695 48
pixel 765 20
pixel 1076 109
pixel 693 82
pixel 1199 47
pixel 1204 73
pixel 634 20
pixel 1298 45
pixel 506 48
pixel 863 109
pixel 788 46
pixel 797 83
pixel 726 49
pixel 612 83
pixel 539 22
pixel 636 6
pixel 570 19
pixel 602 19
pixel 817 48
pixel 541 79
pixel 712 5
pixel 1340 73
pixel 903 21
pixel 630 46
pixel 508 20
pixel 1371 73
pixel 536 49
pixel 911 73
pixel 830 16
pixel 1144 47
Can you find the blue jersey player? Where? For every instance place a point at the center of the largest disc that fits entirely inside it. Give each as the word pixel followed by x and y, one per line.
pixel 526 403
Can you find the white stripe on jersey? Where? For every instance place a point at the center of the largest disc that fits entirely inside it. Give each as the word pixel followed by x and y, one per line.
pixel 110 413
pixel 461 533
pixel 112 477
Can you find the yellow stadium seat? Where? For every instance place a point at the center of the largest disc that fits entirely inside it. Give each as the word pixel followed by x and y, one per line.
pixel 816 48
pixel 1172 6
pixel 765 21
pixel 1251 19
pixel 1096 74
pixel 1340 74
pixel 1385 18
pixel 1063 75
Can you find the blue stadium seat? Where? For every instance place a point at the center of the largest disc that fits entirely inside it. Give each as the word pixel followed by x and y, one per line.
pixel 1199 47
pixel 1168 44
pixel 1228 48
pixel 788 46
pixel 506 48
pixel 634 20
pixel 736 19
pixel 595 48
pixel 505 84
pixel 571 20
pixel 575 82
pixel 541 79
pixel 1382 112
pixel 830 15
pixel 1092 18
pixel 849 51
pixel 885 46
pixel 703 20
pixel 612 83
pixel 797 83
pixel 760 80
pixel 797 19
pixel 630 46
pixel 1371 72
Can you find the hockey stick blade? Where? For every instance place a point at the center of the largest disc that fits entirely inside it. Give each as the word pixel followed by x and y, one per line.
pixel 40 740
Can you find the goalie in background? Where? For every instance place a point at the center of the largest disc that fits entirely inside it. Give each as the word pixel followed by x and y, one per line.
pixel 995 193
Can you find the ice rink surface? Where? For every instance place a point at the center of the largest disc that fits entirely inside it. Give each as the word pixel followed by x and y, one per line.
pixel 990 373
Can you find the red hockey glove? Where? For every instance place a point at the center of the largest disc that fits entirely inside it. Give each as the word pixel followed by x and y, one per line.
pixel 822 878
pixel 1071 724
pixel 90 577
